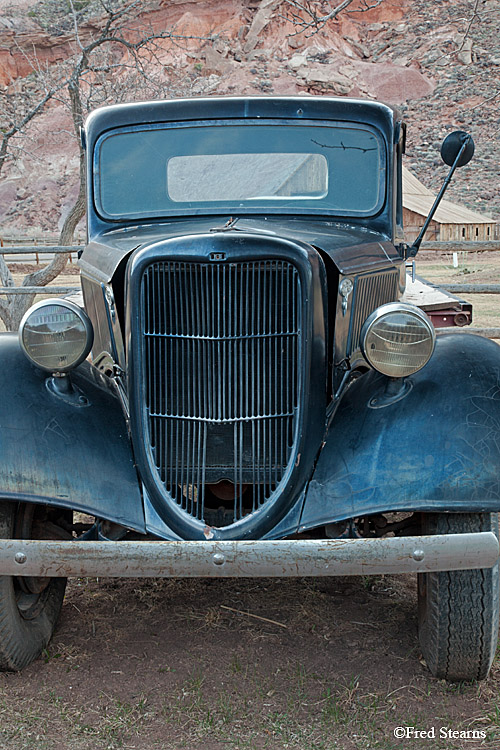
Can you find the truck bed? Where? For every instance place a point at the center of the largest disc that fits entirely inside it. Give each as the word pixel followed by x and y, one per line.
pixel 443 308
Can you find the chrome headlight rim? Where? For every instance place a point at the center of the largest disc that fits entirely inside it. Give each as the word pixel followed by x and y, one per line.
pixel 79 313
pixel 391 308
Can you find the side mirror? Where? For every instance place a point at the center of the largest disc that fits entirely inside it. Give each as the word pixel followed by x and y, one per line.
pixel 456 151
pixel 452 145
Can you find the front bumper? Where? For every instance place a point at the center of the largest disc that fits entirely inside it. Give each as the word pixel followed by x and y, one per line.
pixel 246 559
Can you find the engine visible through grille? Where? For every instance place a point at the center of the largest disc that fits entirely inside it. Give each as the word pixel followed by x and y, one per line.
pixel 220 366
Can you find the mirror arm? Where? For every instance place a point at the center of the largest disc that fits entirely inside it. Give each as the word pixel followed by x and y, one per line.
pixel 413 249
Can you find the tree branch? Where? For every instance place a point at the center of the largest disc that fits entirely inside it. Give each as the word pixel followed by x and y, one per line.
pixel 309 16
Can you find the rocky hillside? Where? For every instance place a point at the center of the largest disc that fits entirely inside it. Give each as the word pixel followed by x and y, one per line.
pixel 457 45
pixel 440 62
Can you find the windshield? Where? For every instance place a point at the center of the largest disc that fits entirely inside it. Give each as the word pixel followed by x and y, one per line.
pixel 252 167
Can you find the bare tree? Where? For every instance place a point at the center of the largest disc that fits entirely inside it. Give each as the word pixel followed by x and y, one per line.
pixel 20 105
pixel 116 55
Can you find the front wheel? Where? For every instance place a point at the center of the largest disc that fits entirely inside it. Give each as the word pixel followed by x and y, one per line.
pixel 29 607
pixel 458 609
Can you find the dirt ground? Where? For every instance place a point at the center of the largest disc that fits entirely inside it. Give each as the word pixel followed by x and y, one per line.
pixel 309 664
pixel 216 665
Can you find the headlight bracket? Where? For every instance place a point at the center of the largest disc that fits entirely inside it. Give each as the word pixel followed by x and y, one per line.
pixel 393 391
pixel 60 385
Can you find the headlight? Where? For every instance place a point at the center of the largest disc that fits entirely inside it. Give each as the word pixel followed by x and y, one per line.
pixel 397 339
pixel 56 335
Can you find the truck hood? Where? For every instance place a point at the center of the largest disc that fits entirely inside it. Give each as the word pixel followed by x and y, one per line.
pixel 352 248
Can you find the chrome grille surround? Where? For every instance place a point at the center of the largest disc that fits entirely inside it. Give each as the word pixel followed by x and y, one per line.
pixel 221 347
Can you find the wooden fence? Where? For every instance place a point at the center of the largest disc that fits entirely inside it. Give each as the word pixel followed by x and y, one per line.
pixel 465 246
pixel 460 289
pixel 39 250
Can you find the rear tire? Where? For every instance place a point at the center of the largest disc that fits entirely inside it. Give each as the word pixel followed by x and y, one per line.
pixel 29 607
pixel 458 610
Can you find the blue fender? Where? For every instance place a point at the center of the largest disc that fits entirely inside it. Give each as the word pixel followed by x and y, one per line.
pixel 437 448
pixel 56 453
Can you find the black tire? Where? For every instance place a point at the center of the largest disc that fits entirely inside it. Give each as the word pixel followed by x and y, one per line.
pixel 458 610
pixel 29 608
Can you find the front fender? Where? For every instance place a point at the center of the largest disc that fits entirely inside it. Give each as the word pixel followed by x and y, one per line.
pixel 53 452
pixel 438 448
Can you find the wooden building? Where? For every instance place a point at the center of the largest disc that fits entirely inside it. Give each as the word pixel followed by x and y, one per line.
pixel 450 222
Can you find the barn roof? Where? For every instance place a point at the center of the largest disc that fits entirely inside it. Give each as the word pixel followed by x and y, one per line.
pixel 419 199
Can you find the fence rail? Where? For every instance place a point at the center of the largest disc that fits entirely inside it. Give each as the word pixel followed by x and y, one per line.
pixel 38 289
pixel 40 249
pixel 453 246
pixel 470 288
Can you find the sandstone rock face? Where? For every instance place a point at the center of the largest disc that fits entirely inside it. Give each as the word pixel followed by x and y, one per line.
pixel 13 64
pixel 464 55
pixel 416 54
pixel 394 84
pixel 326 79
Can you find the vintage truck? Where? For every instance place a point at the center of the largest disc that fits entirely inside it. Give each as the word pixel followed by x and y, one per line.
pixel 258 400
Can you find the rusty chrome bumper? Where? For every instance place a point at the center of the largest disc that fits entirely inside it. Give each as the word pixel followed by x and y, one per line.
pixel 137 559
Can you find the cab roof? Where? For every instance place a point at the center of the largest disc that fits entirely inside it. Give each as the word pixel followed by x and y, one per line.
pixel 385 117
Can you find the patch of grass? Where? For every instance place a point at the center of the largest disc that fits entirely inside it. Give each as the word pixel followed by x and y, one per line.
pixel 236 666
pixel 332 711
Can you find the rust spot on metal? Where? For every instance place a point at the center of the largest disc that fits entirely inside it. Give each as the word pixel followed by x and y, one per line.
pixel 208 532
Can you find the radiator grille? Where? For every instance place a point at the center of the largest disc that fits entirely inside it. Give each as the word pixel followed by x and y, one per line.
pixel 370 292
pixel 220 367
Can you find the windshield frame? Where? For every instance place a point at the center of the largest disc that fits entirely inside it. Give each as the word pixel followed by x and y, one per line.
pixel 173 211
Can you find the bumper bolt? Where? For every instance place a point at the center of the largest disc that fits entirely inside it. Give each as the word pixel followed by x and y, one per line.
pixel 418 555
pixel 20 557
pixel 219 559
